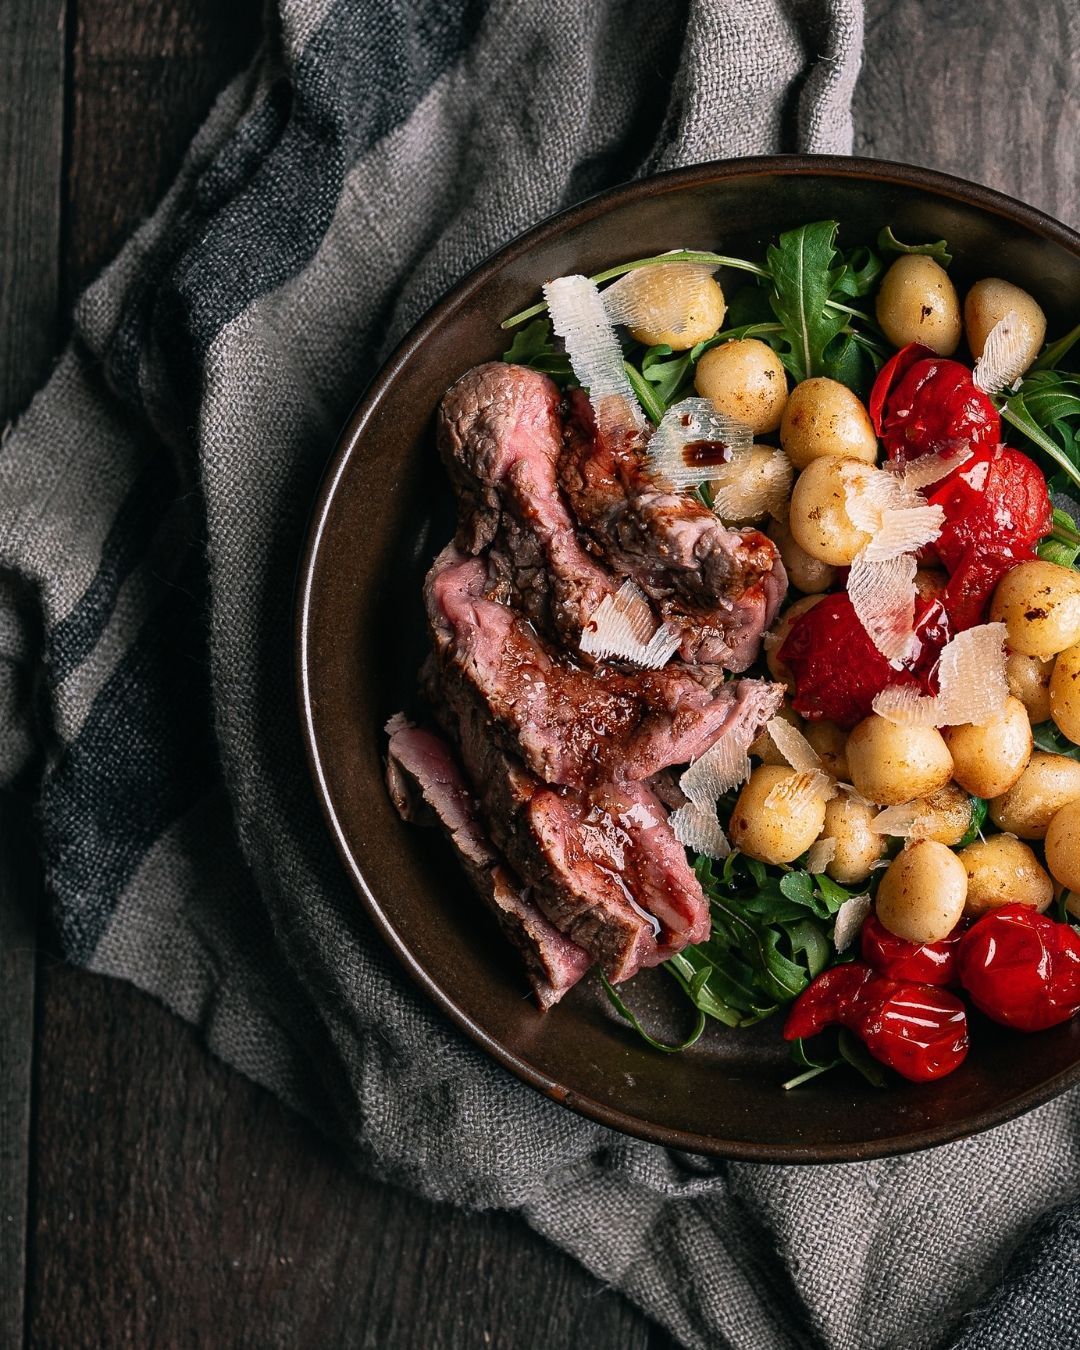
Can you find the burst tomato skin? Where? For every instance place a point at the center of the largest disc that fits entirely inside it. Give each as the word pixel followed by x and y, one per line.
pixel 919 1030
pixel 997 508
pixel 915 962
pixel 1021 968
pixel 922 403
pixel 836 668
pixel 998 498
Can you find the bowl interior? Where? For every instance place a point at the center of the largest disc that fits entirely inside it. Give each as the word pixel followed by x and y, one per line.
pixel 386 509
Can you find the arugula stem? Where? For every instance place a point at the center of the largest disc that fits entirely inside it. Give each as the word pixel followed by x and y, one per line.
pixel 678 256
pixel 1035 433
pixel 801 1078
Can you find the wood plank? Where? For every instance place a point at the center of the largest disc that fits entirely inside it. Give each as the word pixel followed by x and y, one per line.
pixel 984 91
pixel 31 156
pixel 31 149
pixel 144 76
pixel 178 1204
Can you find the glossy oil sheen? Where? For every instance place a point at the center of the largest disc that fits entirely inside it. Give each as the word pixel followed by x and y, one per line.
pixel 383 512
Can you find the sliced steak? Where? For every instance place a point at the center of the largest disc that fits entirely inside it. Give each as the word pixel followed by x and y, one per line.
pixel 420 762
pixel 539 830
pixel 572 727
pixel 721 587
pixel 604 864
pixel 500 438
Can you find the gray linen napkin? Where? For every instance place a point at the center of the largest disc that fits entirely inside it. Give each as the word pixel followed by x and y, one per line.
pixel 152 505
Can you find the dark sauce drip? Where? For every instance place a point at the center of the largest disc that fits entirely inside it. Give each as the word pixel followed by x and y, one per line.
pixel 705 454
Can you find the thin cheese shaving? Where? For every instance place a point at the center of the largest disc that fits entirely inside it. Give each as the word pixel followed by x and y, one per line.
pixel 689 423
pixel 881 582
pixel 726 763
pixel 882 594
pixel 972 687
pixel 925 470
pixel 905 532
pixel 623 626
pixel 660 298
pixel 753 483
pixel 794 746
pixel 905 821
pixel 850 918
pixel 698 828
pixel 579 318
pixel 801 791
pixel 1005 355
pixel 821 854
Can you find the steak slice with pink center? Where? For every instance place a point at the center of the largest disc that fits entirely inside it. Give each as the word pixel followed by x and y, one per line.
pixel 720 587
pixel 419 761
pixel 572 727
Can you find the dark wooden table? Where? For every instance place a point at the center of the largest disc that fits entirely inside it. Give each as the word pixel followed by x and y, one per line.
pixel 149 1196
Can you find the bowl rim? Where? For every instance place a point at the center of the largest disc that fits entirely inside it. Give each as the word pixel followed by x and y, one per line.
pixel 701 174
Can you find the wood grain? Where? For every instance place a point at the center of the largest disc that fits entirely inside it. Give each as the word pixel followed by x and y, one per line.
pixel 988 92
pixel 178 1204
pixel 31 161
pixel 31 148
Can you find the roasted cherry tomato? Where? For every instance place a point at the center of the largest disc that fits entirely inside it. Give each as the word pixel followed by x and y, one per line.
pixel 971 586
pixel 837 669
pixel 923 403
pixel 898 959
pixel 917 1029
pixel 998 497
pixel 1021 968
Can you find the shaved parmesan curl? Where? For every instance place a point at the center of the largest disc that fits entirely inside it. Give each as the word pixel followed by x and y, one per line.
pixel 881 583
pixel 972 687
pixel 821 854
pixel 1005 356
pixel 850 918
pixel 753 483
pixel 622 626
pixel 726 763
pixel 656 298
pixel 698 828
pixel 579 318
pixel 690 421
pixel 794 746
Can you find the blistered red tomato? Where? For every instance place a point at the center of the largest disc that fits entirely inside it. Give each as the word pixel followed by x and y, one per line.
pixel 836 668
pixel 1021 968
pixel 923 403
pixel 917 962
pixel 919 1030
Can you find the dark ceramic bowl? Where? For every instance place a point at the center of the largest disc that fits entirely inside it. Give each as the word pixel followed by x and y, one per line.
pixel 384 511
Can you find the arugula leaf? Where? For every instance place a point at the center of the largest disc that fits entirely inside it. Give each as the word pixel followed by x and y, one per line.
pixel 653 407
pixel 533 346
pixel 849 1050
pixel 979 807
pixel 670 378
pixel 1054 436
pixel 1062 545
pixel 1047 737
pixel 1053 352
pixel 939 251
pixel 803 276
pixel 620 1007
pixel 860 273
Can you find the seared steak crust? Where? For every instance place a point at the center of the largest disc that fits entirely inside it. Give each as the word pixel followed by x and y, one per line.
pixel 420 762
pixel 553 818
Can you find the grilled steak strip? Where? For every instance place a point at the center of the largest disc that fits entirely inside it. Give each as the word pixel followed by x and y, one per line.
pixel 720 587
pixel 500 438
pixel 421 762
pixel 571 726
